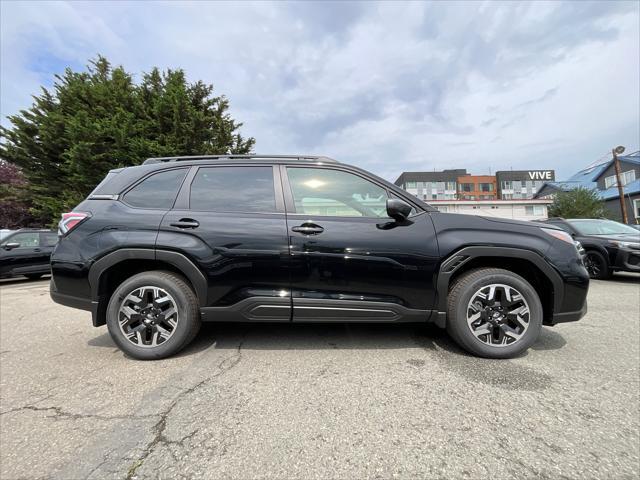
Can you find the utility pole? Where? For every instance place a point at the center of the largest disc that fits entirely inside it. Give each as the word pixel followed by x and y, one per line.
pixel 616 166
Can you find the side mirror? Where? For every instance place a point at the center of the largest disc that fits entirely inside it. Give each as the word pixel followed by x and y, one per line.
pixel 11 246
pixel 398 209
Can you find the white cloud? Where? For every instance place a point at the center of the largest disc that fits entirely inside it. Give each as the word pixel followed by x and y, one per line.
pixel 386 86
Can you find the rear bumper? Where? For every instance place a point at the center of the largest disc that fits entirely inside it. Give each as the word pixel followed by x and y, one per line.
pixel 73 302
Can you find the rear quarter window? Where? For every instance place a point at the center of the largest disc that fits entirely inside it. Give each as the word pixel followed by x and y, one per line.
pixel 156 191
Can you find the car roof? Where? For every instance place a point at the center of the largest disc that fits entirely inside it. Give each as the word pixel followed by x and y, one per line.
pixel 226 158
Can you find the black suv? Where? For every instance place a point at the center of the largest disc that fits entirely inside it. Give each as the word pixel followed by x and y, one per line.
pixel 26 252
pixel 158 248
pixel 610 246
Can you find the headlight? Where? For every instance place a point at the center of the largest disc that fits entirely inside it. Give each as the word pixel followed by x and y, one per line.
pixel 634 245
pixel 559 234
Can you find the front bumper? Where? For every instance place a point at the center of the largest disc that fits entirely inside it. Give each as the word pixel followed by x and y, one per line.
pixel 627 260
pixel 565 317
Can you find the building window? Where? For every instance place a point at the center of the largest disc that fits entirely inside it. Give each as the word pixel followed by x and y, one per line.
pixel 466 187
pixel 636 208
pixel 625 178
pixel 486 187
pixel 410 185
pixel 507 185
pixel 534 210
pixel 451 186
pixel 628 177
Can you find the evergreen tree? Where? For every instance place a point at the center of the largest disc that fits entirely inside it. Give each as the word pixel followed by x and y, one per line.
pixel 99 119
pixel 578 203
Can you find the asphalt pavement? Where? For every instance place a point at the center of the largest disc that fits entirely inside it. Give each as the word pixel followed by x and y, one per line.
pixel 318 401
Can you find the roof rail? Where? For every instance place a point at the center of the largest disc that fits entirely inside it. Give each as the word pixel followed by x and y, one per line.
pixel 237 157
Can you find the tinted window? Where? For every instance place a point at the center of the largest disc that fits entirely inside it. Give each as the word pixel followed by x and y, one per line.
pixel 326 192
pixel 233 189
pixel 25 239
pixel 602 227
pixel 48 239
pixel 157 191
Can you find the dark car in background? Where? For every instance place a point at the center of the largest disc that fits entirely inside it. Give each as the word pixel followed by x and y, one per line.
pixel 27 252
pixel 609 246
pixel 158 248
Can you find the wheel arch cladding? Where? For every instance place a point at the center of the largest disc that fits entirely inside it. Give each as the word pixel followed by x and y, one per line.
pixel 528 264
pixel 112 269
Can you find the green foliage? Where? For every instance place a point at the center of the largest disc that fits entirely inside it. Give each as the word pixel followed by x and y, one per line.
pixel 14 210
pixel 93 121
pixel 578 203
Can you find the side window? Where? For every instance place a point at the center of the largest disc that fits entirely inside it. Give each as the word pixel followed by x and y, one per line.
pixel 318 191
pixel 26 239
pixel 48 239
pixel 233 189
pixel 157 191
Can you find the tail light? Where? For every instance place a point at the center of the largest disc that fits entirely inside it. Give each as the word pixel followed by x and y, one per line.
pixel 71 220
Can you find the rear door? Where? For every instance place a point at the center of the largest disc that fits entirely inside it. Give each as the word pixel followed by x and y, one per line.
pixel 350 261
pixel 229 220
pixel 48 241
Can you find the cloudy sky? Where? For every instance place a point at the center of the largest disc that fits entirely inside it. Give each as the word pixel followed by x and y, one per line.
pixel 387 86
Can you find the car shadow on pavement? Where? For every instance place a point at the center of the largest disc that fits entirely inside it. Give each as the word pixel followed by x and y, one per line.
pixel 23 280
pixel 624 277
pixel 319 336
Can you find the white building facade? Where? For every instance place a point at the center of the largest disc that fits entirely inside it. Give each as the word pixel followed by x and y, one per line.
pixel 513 209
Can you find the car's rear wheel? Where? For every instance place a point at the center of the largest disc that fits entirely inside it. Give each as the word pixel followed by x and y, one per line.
pixel 153 315
pixel 494 313
pixel 597 265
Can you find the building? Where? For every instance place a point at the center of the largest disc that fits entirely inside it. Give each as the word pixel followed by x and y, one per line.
pixel 430 186
pixel 477 187
pixel 602 178
pixel 508 194
pixel 519 184
pixel 524 209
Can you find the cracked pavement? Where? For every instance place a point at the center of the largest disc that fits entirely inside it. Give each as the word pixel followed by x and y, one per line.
pixel 318 401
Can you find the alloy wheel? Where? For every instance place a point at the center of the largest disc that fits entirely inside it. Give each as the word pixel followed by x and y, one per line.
pixel 498 315
pixel 592 264
pixel 148 316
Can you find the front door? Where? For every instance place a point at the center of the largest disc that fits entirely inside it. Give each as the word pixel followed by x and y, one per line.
pixel 230 221
pixel 27 257
pixel 350 261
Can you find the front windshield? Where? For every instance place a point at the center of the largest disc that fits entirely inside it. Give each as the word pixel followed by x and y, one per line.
pixel 602 227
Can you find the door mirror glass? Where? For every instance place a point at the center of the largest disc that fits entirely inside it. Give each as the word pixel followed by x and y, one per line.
pixel 11 245
pixel 398 209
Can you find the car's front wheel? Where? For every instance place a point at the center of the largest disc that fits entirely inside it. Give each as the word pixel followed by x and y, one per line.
pixel 153 315
pixel 494 313
pixel 597 265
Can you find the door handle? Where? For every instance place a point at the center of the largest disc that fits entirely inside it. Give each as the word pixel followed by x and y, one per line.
pixel 186 223
pixel 308 229
pixel 37 250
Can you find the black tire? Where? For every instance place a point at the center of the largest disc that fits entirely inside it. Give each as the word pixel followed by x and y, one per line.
pixel 186 305
pixel 460 295
pixel 597 265
pixel 33 276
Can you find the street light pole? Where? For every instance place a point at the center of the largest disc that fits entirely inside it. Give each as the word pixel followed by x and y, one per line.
pixel 616 166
